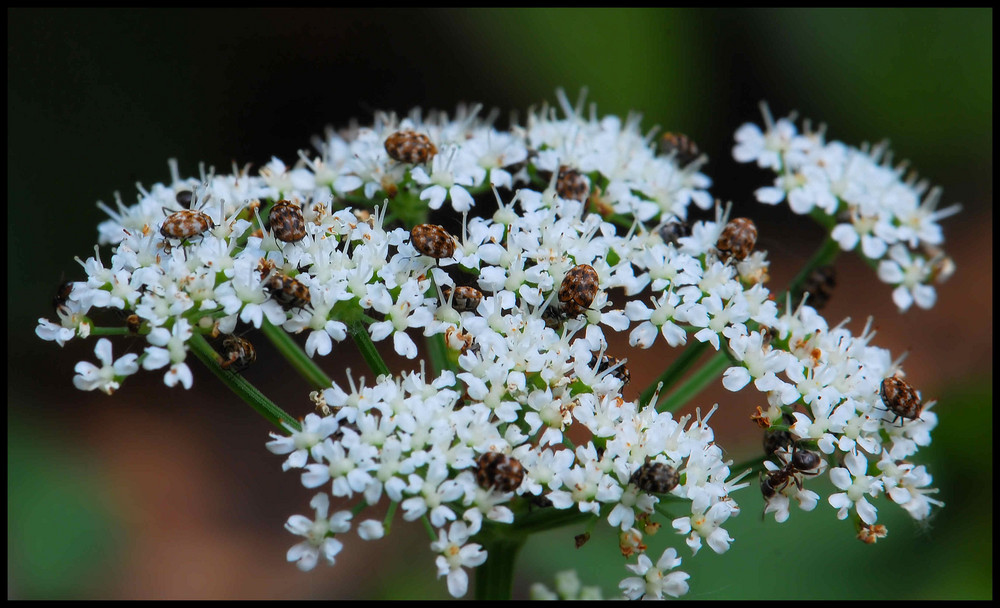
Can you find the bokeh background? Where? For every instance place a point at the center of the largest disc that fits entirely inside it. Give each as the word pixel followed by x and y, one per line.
pixel 162 493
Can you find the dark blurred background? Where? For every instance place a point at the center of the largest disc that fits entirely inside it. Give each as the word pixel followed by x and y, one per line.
pixel 163 493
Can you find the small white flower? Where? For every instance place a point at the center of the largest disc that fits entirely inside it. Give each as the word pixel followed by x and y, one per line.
pixel 452 171
pixel 654 581
pixel 107 377
pixel 318 534
pixel 435 491
pixel 910 274
pixel 708 525
pixel 47 330
pixel 457 555
pixel 169 347
pixel 300 443
pixel 856 483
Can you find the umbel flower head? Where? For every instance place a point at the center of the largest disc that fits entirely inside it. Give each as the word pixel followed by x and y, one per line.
pixel 561 229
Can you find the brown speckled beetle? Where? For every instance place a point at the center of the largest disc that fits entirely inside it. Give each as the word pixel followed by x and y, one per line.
pixel 240 354
pixel 571 184
pixel 578 289
pixel 655 478
pixel 287 291
pixel 286 222
pixel 737 240
pixel 499 471
pixel 621 372
pixel 680 146
pixel 900 398
pixel 432 240
pixel 410 147
pixel 465 299
pixel 185 224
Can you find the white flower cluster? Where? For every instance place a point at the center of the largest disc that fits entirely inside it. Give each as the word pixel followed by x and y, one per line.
pixel 219 267
pixel 594 236
pixel 892 216
pixel 827 384
pixel 430 449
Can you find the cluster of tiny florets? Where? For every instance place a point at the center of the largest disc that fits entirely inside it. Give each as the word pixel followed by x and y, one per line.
pixel 591 233
pixel 886 211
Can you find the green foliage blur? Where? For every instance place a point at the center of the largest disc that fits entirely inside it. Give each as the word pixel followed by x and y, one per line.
pixel 98 99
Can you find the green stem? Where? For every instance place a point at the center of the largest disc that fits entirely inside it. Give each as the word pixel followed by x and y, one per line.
pixel 620 220
pixel 495 578
pixel 674 372
pixel 243 389
pixel 697 382
pixel 290 349
pixel 824 219
pixel 825 255
pixel 364 342
pixel 544 519
pixel 390 512
pixel 109 331
pixel 438 351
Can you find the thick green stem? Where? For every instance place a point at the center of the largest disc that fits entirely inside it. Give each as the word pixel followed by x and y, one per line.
pixel 243 389
pixel 302 363
pixel 495 578
pixel 364 342
pixel 673 373
pixel 697 382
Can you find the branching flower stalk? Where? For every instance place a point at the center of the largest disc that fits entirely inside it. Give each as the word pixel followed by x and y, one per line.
pixel 552 233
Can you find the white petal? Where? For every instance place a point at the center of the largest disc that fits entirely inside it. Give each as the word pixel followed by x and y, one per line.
pixel 434 196
pixel 461 200
pixel 841 478
pixel 103 351
pixel 867 512
pixel 156 358
pixel 735 378
pixel 769 195
pixel 458 582
pixel 318 342
pixel 371 529
pixel 925 296
pixel 846 236
pixel 643 336
pixel 902 297
pixel 616 320
pixel 404 345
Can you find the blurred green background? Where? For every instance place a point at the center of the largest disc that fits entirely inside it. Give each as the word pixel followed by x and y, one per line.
pixel 159 493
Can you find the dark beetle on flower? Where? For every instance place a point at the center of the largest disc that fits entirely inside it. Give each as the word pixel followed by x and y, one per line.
pixel 286 222
pixel 901 398
pixel 578 290
pixel 432 240
pixel 185 224
pixel 499 471
pixel 737 240
pixel 410 147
